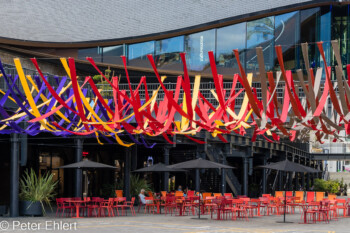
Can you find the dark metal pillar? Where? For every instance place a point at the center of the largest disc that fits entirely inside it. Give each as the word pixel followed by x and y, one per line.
pixel 166 174
pixel 280 180
pixel 223 175
pixel 308 178
pixel 14 176
pixel 198 180
pixel 264 176
pixel 78 189
pixel 127 173
pixel 245 173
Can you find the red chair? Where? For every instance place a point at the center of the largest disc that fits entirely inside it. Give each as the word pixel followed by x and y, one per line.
pixel 289 193
pixel 239 210
pixel 310 197
pixel 61 205
pixel 170 204
pixel 118 203
pixel 343 206
pixel 94 206
pixel 107 205
pixel 140 205
pixel 190 193
pixel 150 205
pixel 128 204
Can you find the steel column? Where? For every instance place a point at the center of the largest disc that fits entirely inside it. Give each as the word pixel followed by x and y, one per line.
pixel 14 176
pixel 78 172
pixel 127 173
pixel 166 174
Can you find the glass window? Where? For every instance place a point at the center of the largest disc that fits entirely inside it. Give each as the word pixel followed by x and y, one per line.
pixel 308 33
pixel 260 33
pixel 168 53
pixel 137 53
pixel 287 35
pixel 112 54
pixel 339 30
pixel 95 53
pixel 197 47
pixel 228 39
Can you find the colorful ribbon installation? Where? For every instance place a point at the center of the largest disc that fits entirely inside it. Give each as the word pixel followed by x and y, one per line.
pixel 65 110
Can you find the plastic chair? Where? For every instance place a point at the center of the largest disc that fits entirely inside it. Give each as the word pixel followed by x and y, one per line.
pixel 190 193
pixel 128 204
pixel 163 193
pixel 279 194
pixel 266 195
pixel 179 194
pixel 61 205
pixel 310 197
pixel 319 196
pixel 342 206
pixel 217 195
pixel 332 197
pixel 299 194
pixel 150 205
pixel 289 193
pixel 107 205
pixel 205 195
pixel 228 195
pixel 119 193
pixel 170 204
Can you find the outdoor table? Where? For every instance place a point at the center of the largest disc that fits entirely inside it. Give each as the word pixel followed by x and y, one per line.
pixel 157 201
pixel 77 204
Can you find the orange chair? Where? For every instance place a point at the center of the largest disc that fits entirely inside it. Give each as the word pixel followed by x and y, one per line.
pixel 278 193
pixel 319 196
pixel 205 195
pixel 310 197
pixel 119 193
pixel 299 194
pixel 163 193
pixel 332 197
pixel 179 194
pixel 150 194
pixel 217 195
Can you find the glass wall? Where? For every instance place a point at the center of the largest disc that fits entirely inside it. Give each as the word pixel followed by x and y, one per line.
pixel 167 54
pixel 95 53
pixel 227 39
pixel 197 47
pixel 288 30
pixel 137 53
pixel 287 35
pixel 112 54
pixel 260 33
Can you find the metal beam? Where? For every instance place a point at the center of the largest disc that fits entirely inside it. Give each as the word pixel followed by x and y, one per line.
pixel 14 176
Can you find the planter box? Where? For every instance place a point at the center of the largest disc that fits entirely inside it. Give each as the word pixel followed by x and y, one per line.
pixel 3 210
pixel 28 208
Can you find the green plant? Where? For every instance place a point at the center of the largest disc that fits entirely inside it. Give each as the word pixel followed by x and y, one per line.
pixel 332 186
pixel 108 190
pixel 37 189
pixel 136 184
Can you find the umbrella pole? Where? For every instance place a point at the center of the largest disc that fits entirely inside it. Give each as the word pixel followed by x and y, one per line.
pixel 285 204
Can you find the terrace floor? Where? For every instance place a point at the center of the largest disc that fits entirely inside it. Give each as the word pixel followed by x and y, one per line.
pixel 149 223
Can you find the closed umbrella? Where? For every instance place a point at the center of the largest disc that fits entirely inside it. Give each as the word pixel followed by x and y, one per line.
pixel 200 164
pixel 288 166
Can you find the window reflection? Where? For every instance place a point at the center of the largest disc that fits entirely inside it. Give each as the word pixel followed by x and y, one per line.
pixel 95 53
pixel 287 35
pixel 260 33
pixel 308 33
pixel 112 54
pixel 137 53
pixel 229 38
pixel 168 53
pixel 197 47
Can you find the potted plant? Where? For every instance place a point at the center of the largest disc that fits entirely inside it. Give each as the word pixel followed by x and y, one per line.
pixel 35 192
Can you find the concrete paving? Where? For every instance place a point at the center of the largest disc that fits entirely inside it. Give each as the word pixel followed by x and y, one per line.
pixel 149 223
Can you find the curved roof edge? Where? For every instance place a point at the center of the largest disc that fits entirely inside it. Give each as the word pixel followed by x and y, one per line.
pixel 172 33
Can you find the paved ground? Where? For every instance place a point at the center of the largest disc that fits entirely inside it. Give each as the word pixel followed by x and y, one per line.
pixel 147 223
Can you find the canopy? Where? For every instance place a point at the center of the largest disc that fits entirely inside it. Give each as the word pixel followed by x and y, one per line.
pixel 288 166
pixel 199 164
pixel 159 167
pixel 87 164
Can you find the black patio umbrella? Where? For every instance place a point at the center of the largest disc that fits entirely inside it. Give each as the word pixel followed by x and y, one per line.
pixel 200 164
pixel 159 167
pixel 86 164
pixel 288 166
